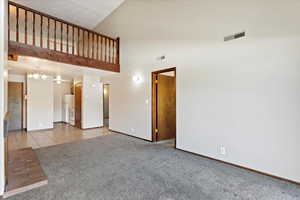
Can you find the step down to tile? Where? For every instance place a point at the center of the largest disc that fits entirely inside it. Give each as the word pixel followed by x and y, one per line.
pixel 24 172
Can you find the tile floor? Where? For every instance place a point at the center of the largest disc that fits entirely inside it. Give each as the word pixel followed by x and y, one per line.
pixel 62 133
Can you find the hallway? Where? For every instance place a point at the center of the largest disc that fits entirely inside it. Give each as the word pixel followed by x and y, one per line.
pixel 61 134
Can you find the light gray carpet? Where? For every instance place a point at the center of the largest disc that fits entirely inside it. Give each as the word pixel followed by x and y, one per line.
pixel 118 167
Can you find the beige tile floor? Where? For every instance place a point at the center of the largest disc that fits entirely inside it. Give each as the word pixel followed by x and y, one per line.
pixel 62 133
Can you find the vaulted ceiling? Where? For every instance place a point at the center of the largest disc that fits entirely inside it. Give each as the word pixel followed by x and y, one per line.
pixel 86 13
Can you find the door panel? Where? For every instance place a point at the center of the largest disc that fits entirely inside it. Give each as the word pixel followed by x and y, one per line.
pixel 166 107
pixel 15 106
pixel 78 96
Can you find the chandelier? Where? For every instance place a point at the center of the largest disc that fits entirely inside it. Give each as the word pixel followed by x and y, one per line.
pixel 37 76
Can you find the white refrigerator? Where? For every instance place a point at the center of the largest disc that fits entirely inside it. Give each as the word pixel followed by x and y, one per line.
pixel 69 109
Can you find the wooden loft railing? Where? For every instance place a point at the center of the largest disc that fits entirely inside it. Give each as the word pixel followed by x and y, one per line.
pixel 32 33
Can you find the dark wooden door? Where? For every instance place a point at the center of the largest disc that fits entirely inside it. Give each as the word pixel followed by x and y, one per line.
pixel 106 101
pixel 78 96
pixel 15 106
pixel 166 107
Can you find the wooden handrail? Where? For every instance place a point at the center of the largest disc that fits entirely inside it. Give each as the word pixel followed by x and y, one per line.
pixel 47 32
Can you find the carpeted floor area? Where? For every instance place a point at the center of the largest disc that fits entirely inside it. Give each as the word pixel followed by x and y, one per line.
pixel 118 167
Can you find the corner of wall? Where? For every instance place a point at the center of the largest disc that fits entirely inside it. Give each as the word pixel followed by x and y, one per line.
pixel 3 85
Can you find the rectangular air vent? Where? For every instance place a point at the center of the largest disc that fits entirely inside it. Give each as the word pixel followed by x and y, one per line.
pixel 235 36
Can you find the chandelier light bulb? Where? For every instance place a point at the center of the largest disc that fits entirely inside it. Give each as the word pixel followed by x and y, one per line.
pixel 36 76
pixel 44 77
pixel 58 77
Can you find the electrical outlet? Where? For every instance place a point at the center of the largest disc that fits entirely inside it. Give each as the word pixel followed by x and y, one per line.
pixel 132 130
pixel 223 150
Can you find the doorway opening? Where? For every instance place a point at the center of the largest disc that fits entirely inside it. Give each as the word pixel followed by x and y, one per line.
pixel 106 105
pixel 164 106
pixel 15 106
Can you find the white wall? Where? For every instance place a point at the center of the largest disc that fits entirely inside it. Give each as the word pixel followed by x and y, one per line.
pixel 243 94
pixel 16 78
pixel 39 104
pixel 92 102
pixel 3 84
pixel 129 104
pixel 59 91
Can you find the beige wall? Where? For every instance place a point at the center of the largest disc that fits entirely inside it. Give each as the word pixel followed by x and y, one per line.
pixel 3 84
pixel 39 104
pixel 242 95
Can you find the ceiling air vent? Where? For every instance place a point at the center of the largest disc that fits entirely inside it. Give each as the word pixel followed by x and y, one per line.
pixel 235 36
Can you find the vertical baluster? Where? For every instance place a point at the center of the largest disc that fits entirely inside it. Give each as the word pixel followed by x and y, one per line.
pixel 118 50
pixel 83 40
pixel 101 44
pixel 41 33
pixel 108 46
pixel 67 38
pixel 115 58
pixel 88 48
pixel 78 33
pixel 48 34
pixel 26 37
pixel 105 45
pixel 113 52
pixel 97 52
pixel 73 35
pixel 93 46
pixel 33 29
pixel 104 49
pixel 17 24
pixel 55 35
pixel 8 11
pixel 110 51
pixel 61 36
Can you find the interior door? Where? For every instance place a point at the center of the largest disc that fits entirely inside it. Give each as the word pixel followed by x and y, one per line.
pixel 166 107
pixel 78 96
pixel 15 106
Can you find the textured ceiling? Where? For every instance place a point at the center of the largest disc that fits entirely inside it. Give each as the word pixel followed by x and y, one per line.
pixel 86 13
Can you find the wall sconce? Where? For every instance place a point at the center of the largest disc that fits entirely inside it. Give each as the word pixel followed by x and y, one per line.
pixel 137 79
pixel 5 73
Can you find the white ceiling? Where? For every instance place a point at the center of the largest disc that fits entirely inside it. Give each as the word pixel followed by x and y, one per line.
pixel 86 13
pixel 27 65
